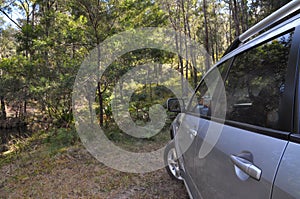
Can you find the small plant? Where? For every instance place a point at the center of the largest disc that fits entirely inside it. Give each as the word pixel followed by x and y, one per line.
pixel 58 139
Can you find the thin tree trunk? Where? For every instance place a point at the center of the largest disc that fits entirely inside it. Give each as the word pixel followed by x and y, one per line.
pixel 236 18
pixel 25 108
pixel 244 15
pixel 206 39
pixel 100 97
pixel 215 25
pixel 3 110
pixel 230 23
pixel 100 104
pixel 185 21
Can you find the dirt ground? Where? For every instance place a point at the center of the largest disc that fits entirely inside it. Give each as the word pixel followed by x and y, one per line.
pixel 74 173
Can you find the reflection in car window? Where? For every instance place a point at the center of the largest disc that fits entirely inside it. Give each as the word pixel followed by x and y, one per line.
pixel 256 83
pixel 202 100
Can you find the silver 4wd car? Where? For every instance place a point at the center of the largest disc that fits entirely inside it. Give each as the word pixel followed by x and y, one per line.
pixel 239 135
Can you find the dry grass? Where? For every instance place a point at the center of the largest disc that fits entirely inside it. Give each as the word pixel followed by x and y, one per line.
pixel 74 173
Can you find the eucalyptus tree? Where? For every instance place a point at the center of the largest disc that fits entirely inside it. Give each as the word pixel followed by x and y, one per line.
pixel 101 17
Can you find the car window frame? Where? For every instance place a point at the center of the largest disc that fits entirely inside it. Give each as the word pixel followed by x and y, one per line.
pixel 295 137
pixel 282 110
pixel 286 128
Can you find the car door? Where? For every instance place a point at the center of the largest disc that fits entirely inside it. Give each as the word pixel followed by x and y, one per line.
pixel 250 142
pixel 185 138
pixel 185 143
pixel 199 107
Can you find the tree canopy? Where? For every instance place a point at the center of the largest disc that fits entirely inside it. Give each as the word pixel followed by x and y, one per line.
pixel 43 43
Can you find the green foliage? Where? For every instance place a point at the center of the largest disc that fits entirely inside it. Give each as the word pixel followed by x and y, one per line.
pixel 113 133
pixel 144 98
pixel 7 42
pixel 59 139
pixel 141 13
pixel 40 56
pixel 130 143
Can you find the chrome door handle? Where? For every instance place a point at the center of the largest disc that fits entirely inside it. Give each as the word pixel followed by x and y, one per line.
pixel 193 132
pixel 246 166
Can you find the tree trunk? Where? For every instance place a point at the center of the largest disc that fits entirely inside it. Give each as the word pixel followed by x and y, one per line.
pixel 215 27
pixel 185 24
pixel 244 15
pixel 25 108
pixel 230 24
pixel 206 38
pixel 236 18
pixel 99 83
pixel 100 104
pixel 3 110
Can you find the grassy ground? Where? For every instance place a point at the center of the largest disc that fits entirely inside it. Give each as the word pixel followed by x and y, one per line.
pixel 56 165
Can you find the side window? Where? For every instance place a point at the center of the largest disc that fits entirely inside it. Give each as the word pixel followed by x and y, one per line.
pixel 256 83
pixel 202 99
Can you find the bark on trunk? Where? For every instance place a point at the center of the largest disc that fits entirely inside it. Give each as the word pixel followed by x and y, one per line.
pixel 100 104
pixel 3 110
pixel 206 40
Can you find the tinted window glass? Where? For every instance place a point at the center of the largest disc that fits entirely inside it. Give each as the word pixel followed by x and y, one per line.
pixel 256 83
pixel 202 100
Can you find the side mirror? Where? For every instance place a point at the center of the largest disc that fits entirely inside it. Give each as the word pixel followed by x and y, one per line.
pixel 175 105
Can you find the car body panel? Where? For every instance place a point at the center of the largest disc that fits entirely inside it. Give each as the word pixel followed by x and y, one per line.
pixel 215 174
pixel 185 146
pixel 287 183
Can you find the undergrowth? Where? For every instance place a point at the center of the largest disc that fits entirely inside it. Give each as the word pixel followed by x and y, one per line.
pixel 60 139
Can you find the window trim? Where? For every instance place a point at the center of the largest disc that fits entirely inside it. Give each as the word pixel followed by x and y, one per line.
pixel 283 135
pixel 286 119
pixel 260 130
pixel 296 61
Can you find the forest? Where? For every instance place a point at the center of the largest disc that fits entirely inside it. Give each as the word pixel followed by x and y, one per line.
pixel 44 42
